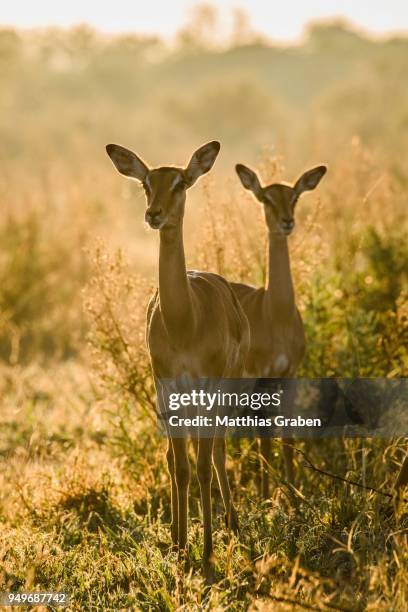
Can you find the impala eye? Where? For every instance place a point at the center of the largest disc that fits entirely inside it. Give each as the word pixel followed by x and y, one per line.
pixel 179 186
pixel 268 201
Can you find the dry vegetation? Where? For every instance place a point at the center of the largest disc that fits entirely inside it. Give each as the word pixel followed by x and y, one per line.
pixel 84 495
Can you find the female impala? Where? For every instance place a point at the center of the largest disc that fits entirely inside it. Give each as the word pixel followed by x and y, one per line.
pixel 195 327
pixel 277 338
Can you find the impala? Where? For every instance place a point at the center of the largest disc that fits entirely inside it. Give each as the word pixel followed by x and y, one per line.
pixel 195 328
pixel 277 337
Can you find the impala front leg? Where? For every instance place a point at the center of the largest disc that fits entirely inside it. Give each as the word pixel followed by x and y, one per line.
pixel 174 496
pixel 204 473
pixel 182 472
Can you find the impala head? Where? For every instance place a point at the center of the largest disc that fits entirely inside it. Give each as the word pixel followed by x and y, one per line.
pixel 165 187
pixel 279 199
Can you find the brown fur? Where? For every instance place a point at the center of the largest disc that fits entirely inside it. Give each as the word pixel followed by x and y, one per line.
pixel 277 336
pixel 195 327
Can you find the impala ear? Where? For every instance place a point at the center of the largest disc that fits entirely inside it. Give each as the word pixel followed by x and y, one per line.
pixel 310 179
pixel 249 179
pixel 127 162
pixel 201 162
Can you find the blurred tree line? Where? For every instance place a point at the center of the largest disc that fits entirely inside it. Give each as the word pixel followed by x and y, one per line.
pixel 65 93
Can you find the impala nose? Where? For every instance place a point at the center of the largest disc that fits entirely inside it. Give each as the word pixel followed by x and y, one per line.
pixel 287 225
pixel 153 217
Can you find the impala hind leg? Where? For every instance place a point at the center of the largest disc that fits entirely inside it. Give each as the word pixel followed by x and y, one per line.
pixel 288 459
pixel 219 457
pixel 402 479
pixel 266 445
pixel 288 443
pixel 204 473
pixel 174 497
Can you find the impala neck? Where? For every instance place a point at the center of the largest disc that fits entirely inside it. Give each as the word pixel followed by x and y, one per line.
pixel 280 297
pixel 174 290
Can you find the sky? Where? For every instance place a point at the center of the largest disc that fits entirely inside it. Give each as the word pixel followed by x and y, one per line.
pixel 280 20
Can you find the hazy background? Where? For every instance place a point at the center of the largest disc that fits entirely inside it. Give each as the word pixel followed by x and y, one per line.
pixel 266 79
pixel 235 71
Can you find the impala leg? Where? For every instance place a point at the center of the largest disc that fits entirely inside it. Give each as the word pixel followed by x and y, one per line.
pixel 182 471
pixel 265 444
pixel 174 498
pixel 204 473
pixel 195 446
pixel 219 457
pixel 402 478
pixel 287 452
pixel 288 443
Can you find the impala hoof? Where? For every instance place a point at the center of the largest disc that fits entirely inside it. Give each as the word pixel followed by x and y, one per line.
pixel 231 521
pixel 209 572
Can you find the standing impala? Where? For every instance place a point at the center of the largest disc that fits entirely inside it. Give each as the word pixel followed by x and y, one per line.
pixel 195 327
pixel 277 337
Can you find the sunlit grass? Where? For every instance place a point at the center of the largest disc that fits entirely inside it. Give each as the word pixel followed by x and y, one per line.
pixel 80 513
